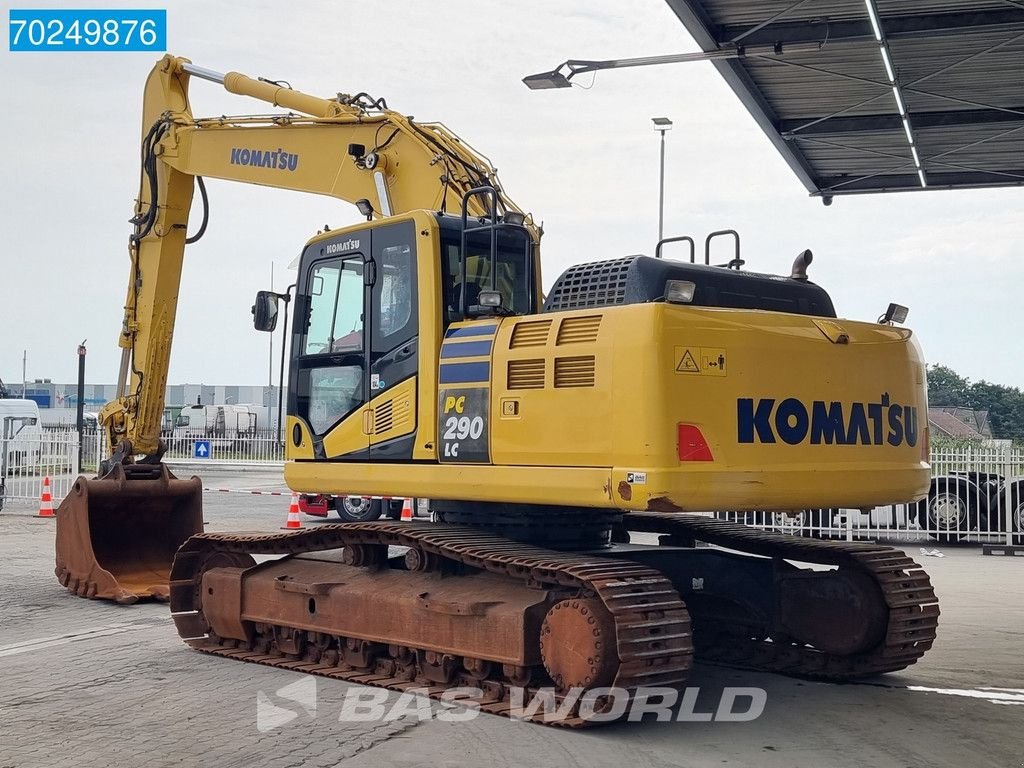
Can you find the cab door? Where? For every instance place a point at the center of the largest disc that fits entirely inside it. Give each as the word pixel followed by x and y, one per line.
pixel 332 377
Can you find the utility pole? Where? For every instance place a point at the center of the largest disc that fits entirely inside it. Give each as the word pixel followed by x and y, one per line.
pixel 24 374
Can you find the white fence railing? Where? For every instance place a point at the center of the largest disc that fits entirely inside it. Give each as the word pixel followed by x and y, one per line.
pixel 31 455
pixel 261 447
pixel 976 494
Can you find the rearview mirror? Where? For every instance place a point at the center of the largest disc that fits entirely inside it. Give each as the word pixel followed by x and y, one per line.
pixel 264 311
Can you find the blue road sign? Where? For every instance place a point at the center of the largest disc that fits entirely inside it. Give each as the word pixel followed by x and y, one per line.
pixel 201 449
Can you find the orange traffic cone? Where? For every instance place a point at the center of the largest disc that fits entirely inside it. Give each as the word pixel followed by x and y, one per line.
pixel 407 510
pixel 293 515
pixel 46 500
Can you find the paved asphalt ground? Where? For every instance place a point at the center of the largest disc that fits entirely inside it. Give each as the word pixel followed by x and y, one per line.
pixel 90 684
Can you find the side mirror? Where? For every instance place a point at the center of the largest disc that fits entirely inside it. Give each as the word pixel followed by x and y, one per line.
pixel 264 311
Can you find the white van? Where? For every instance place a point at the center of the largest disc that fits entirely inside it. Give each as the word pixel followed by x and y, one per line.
pixel 21 433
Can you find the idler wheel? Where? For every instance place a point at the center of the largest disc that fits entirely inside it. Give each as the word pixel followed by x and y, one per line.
pixel 577 644
pixel 364 555
pixel 421 560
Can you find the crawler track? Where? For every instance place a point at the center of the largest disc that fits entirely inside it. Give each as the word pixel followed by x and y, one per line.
pixel 904 585
pixel 654 643
pixel 652 626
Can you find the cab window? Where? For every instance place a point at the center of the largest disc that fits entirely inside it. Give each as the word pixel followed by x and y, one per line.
pixel 334 391
pixel 513 277
pixel 336 307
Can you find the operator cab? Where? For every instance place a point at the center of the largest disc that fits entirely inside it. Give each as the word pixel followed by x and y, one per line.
pixel 364 313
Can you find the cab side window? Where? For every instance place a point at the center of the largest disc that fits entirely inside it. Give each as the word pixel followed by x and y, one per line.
pixel 513 276
pixel 395 272
pixel 394 320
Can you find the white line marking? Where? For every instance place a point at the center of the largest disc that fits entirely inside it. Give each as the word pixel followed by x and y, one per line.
pixel 992 695
pixel 250 492
pixel 13 649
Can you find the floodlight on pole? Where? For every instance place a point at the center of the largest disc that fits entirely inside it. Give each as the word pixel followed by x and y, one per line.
pixel 562 75
pixel 661 125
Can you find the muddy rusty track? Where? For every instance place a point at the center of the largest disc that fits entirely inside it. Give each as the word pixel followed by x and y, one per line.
pixel 652 626
pixel 913 609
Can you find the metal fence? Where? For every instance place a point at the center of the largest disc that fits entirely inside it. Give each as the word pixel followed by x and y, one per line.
pixel 261 447
pixel 32 455
pixel 56 452
pixel 976 495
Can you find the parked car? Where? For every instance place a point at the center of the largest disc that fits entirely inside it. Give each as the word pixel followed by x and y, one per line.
pixel 351 509
pixel 961 502
pixel 958 505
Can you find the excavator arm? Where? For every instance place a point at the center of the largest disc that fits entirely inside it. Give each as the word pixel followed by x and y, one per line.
pixel 117 534
pixel 350 147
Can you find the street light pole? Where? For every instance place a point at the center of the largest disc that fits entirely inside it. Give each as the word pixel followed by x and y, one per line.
pixel 661 125
pixel 661 192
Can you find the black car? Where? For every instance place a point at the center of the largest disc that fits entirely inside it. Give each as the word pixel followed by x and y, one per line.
pixel 959 503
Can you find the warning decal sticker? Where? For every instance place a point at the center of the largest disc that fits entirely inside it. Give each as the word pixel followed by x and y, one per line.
pixel 707 361
pixel 686 362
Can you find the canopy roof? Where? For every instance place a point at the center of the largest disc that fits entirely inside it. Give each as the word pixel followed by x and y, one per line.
pixel 867 96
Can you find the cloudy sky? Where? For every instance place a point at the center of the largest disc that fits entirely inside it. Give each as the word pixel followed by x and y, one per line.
pixel 583 161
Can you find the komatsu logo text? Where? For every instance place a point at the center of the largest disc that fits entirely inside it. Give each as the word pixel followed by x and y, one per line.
pixel 348 245
pixel 281 160
pixel 791 421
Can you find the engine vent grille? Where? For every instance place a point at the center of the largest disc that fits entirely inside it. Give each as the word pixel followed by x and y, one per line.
pixel 525 374
pixel 578 330
pixel 530 334
pixel 384 417
pixel 574 371
pixel 600 284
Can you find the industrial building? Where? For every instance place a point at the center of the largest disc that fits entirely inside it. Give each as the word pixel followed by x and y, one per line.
pixel 58 403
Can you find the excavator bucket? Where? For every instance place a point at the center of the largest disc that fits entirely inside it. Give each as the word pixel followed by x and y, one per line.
pixel 117 535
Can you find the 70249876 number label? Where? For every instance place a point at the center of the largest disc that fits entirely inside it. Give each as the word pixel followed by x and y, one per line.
pixel 40 29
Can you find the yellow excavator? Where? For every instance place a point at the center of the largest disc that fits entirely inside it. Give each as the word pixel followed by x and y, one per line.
pixel 553 435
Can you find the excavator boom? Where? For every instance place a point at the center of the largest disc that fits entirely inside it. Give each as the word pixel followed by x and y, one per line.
pixel 352 148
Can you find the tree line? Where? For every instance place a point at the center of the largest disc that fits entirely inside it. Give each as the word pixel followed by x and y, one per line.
pixel 1005 405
